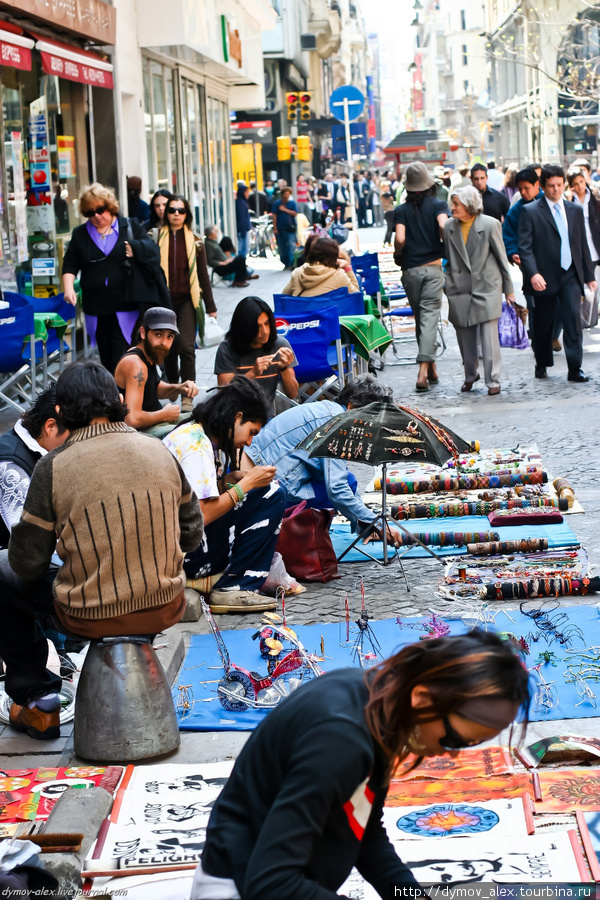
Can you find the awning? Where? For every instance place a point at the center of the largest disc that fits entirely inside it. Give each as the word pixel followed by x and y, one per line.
pixel 15 49
pixel 74 64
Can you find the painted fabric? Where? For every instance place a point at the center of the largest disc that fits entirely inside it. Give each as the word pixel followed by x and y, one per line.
pixel 194 452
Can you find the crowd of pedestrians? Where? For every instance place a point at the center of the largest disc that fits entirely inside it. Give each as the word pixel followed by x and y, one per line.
pixel 463 243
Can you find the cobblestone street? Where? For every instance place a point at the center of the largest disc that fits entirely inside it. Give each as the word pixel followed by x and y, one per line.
pixel 560 417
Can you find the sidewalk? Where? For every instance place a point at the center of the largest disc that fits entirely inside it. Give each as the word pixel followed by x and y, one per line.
pixel 561 417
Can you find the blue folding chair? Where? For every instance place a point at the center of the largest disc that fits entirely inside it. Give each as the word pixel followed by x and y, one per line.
pixel 52 348
pixel 347 304
pixel 314 336
pixel 367 266
pixel 16 331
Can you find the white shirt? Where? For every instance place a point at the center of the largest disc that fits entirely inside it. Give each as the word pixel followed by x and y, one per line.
pixel 14 481
pixel 495 179
pixel 561 207
pixel 586 215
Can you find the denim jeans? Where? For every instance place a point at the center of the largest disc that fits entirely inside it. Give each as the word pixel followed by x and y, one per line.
pixel 243 243
pixel 286 242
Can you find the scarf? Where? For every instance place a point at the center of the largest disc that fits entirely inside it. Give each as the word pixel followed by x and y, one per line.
pixel 190 246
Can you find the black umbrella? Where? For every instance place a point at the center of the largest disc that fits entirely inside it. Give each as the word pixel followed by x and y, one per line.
pixel 381 433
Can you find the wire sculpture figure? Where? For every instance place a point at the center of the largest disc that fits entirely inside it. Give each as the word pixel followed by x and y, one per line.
pixel 546 695
pixel 185 701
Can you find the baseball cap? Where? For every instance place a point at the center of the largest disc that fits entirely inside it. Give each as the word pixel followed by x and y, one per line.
pixel 160 317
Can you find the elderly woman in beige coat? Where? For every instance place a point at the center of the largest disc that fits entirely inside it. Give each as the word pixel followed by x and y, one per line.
pixel 324 270
pixel 476 277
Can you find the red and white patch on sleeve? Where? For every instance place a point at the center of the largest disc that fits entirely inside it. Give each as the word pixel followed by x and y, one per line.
pixel 358 808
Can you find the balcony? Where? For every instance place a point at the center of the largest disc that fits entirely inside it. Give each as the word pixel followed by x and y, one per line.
pixel 325 23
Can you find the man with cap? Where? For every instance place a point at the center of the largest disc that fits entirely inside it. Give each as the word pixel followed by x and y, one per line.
pixel 439 173
pixel 419 225
pixel 139 380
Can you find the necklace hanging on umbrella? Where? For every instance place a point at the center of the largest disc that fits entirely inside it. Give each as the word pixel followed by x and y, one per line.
pixel 369 435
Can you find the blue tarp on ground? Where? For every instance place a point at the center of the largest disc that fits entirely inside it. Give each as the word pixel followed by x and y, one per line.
pixel 202 662
pixel 559 535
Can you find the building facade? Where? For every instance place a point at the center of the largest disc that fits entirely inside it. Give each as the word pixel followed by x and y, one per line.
pixel 451 82
pixel 544 62
pixel 58 130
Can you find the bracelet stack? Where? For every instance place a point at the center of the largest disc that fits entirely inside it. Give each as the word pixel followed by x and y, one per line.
pixel 238 495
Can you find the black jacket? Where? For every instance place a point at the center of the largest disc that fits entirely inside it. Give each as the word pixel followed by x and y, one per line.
pixel 305 799
pixel 539 246
pixel 105 282
pixel 13 449
pixel 495 203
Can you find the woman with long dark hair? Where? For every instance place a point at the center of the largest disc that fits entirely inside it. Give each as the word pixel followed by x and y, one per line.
pixel 253 348
pixel 208 448
pixel 304 802
pixel 158 204
pixel 419 227
pixel 183 260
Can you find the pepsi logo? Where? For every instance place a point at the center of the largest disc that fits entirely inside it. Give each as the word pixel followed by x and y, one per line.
pixel 282 327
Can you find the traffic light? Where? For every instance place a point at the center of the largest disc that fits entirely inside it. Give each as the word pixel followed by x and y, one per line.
pixel 303 147
pixel 298 103
pixel 284 148
pixel 304 100
pixel 291 100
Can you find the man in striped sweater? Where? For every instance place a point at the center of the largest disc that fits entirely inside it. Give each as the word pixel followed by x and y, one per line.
pixel 123 514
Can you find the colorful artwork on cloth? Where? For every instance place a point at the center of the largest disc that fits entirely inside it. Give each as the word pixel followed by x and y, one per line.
pixel 568 790
pixel 442 820
pixel 417 793
pixel 589 829
pixel 28 794
pixel 159 817
pixel 466 764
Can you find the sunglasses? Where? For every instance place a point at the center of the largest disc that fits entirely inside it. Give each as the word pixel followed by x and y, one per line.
pixel 452 740
pixel 89 213
pixel 176 210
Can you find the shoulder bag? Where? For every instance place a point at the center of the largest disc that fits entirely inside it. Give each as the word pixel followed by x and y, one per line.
pixel 305 544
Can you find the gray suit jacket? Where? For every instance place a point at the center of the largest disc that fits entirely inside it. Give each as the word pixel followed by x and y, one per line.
pixel 477 275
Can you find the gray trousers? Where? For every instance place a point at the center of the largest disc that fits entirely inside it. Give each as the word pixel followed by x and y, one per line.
pixel 490 346
pixel 424 286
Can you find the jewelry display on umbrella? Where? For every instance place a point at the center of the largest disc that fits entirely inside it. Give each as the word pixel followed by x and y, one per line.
pixel 377 434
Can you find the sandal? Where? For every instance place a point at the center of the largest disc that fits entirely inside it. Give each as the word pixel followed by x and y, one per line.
pixel 432 375
pixel 422 386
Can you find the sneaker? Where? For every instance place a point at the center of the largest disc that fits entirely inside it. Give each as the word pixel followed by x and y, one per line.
pixel 240 601
pixel 67 666
pixel 43 726
pixel 204 585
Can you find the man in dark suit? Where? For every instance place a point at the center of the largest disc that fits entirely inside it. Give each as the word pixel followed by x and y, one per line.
pixel 556 264
pixel 495 203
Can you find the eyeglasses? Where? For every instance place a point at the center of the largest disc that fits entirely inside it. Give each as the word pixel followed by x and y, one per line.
pixel 89 213
pixel 176 210
pixel 452 740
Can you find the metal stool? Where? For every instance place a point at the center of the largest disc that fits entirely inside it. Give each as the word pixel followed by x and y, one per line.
pixel 124 710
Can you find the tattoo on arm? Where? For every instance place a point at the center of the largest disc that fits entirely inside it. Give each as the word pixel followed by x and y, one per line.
pixel 139 377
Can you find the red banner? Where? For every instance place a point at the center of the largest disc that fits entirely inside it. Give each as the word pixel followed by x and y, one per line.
pixel 76 71
pixel 17 57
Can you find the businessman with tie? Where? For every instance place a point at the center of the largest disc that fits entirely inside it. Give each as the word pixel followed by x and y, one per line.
pixel 556 264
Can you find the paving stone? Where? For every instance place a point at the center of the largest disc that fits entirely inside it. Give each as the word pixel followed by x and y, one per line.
pixel 193 606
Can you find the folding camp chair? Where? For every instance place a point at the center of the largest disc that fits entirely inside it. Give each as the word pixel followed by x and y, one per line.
pixel 314 336
pixel 18 390
pixel 52 318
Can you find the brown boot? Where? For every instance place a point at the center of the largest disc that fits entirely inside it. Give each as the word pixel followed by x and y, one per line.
pixel 43 726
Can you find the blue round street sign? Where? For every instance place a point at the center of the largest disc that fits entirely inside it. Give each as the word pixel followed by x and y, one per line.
pixel 356 102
